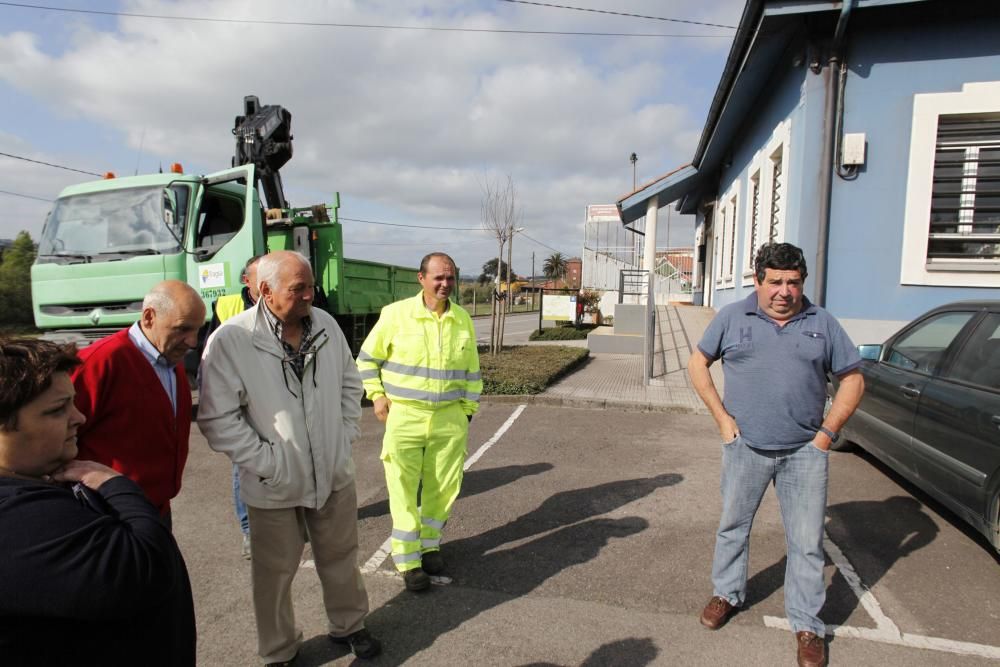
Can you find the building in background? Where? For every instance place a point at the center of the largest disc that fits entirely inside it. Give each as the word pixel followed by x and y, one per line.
pixel 865 132
pixel 574 273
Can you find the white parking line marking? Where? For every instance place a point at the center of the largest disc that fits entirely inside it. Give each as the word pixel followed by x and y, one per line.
pixel 862 592
pixel 904 639
pixel 885 632
pixel 383 552
pixel 496 436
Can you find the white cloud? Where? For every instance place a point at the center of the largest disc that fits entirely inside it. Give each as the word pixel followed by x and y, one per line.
pixel 401 122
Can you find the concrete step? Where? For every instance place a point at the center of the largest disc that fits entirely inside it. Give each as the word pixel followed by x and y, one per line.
pixel 630 319
pixel 604 339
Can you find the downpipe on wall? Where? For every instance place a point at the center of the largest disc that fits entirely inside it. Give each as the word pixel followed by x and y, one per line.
pixel 835 74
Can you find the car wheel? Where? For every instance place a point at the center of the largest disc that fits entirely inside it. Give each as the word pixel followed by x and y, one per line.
pixel 844 445
pixel 995 536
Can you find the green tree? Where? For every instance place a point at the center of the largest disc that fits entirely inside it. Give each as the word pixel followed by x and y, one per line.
pixel 15 281
pixel 554 266
pixel 489 273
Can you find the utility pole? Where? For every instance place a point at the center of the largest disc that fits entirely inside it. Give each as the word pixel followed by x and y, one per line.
pixel 533 295
pixel 633 158
pixel 510 257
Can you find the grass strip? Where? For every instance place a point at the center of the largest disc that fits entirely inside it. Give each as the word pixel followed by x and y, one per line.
pixel 527 369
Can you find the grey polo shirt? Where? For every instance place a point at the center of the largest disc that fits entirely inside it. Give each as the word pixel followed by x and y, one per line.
pixel 775 377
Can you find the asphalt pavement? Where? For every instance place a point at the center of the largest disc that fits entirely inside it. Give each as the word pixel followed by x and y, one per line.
pixel 517 328
pixel 584 537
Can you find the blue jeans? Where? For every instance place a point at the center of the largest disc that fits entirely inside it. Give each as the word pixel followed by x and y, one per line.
pixel 238 504
pixel 800 479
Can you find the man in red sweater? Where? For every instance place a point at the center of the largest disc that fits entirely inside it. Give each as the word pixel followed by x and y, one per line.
pixel 134 392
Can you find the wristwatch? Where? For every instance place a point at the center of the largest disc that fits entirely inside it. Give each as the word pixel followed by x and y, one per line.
pixel 833 435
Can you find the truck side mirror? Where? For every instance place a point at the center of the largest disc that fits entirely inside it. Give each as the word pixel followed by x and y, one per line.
pixel 870 352
pixel 168 209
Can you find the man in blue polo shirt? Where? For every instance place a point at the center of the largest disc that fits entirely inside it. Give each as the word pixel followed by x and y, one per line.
pixel 776 348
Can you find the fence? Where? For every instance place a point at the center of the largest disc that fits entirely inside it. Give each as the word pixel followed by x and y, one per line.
pixel 610 248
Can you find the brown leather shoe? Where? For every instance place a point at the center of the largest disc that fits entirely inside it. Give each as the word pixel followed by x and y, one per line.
pixel 812 649
pixel 716 613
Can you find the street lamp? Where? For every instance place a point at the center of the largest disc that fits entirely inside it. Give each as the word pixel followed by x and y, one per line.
pixel 633 158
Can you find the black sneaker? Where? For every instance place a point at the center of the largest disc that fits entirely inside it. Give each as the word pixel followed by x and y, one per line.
pixel 416 580
pixel 432 562
pixel 361 643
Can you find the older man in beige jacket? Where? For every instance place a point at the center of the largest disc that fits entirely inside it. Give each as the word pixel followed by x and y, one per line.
pixel 281 396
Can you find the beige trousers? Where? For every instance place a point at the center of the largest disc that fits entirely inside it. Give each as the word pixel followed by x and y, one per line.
pixel 276 548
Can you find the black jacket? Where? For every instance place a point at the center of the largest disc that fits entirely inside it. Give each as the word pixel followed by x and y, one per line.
pixel 90 578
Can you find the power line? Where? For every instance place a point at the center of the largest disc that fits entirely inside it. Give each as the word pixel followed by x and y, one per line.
pixel 321 24
pixel 18 194
pixel 49 164
pixel 398 224
pixel 607 11
pixel 539 242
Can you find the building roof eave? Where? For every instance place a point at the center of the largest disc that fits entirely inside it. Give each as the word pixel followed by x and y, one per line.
pixel 633 206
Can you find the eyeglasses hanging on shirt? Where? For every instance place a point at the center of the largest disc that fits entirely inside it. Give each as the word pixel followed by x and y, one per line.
pixel 306 355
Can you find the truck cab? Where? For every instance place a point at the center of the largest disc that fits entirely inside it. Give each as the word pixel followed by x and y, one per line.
pixel 106 243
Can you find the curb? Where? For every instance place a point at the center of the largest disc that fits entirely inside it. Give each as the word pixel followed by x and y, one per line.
pixel 593 404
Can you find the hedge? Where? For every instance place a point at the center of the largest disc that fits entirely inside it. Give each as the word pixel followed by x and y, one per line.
pixel 527 369
pixel 563 333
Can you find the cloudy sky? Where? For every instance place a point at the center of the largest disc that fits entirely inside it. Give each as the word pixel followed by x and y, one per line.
pixel 407 124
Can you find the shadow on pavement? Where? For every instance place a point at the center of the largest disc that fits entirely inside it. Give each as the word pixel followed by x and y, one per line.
pixel 931 504
pixel 486 575
pixel 474 482
pixel 889 529
pixel 633 651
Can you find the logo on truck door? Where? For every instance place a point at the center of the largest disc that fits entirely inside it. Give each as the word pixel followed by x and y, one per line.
pixel 212 275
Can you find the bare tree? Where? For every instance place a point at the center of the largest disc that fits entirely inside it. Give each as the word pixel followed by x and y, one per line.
pixel 500 213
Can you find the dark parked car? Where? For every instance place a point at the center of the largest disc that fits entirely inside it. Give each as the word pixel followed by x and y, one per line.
pixel 931 409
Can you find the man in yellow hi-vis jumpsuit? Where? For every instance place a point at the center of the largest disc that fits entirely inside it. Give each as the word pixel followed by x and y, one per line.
pixel 420 368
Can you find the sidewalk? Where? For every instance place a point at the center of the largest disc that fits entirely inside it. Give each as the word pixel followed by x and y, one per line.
pixel 615 381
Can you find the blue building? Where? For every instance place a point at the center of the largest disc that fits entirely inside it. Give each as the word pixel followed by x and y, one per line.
pixel 866 132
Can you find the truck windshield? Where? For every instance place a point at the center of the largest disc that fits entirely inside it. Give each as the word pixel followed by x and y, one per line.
pixel 112 224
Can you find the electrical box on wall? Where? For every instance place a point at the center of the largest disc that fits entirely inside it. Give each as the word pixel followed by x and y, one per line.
pixel 852 153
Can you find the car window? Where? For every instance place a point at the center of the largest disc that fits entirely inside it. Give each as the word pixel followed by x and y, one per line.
pixel 922 348
pixel 978 361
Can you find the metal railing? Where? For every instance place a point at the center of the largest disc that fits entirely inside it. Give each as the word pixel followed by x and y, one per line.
pixel 632 282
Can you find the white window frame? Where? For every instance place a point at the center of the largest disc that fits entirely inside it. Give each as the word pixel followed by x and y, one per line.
pixel 774 158
pixel 727 214
pixel 981 97
pixel 762 168
pixel 720 222
pixel 731 200
pixel 751 242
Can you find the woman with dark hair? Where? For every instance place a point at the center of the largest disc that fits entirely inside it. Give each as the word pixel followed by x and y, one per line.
pixel 88 572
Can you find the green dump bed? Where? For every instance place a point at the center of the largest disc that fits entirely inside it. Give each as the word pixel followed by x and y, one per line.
pixel 368 286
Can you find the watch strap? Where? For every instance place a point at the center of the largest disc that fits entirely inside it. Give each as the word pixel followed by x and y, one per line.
pixel 833 435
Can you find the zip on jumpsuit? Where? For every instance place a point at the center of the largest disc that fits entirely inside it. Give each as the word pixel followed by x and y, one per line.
pixel 428 367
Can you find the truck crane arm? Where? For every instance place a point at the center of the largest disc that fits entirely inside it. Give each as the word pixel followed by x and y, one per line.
pixel 264 139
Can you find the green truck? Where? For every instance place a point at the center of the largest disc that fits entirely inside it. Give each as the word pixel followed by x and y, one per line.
pixel 107 242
